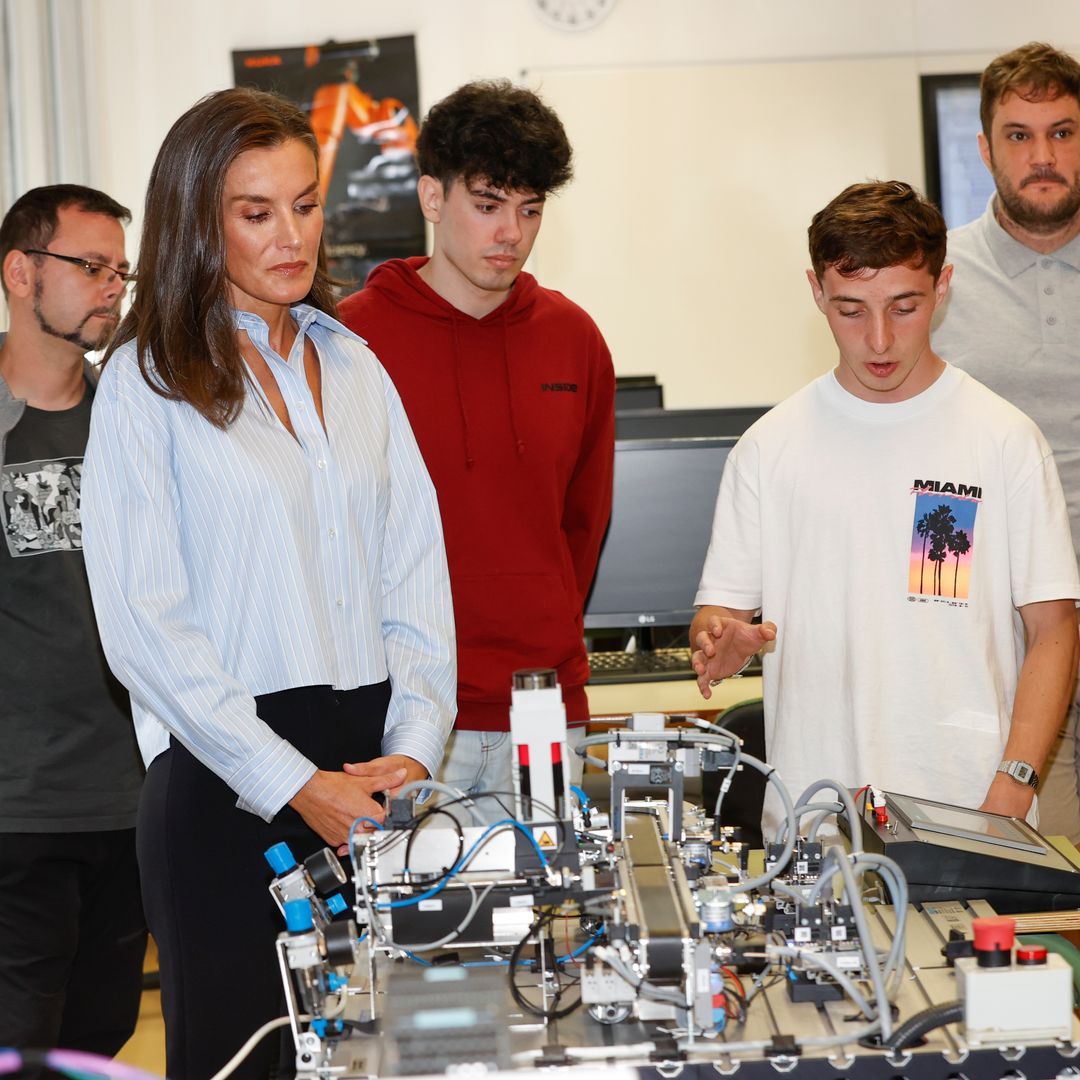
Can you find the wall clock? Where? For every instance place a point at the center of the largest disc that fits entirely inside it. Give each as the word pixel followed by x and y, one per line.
pixel 573 14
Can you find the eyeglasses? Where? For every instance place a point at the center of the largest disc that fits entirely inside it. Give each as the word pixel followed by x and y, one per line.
pixel 90 268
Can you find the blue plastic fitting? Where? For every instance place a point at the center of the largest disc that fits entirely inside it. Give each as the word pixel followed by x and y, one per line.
pixel 298 918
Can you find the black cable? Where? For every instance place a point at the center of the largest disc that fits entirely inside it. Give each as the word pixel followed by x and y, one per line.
pixel 418 822
pixel 739 1003
pixel 912 1030
pixel 554 1013
pixel 497 796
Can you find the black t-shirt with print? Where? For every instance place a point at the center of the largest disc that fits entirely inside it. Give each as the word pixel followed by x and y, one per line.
pixel 69 760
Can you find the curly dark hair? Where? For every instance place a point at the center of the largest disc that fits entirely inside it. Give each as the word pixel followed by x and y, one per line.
pixel 498 132
pixel 874 225
pixel 1035 71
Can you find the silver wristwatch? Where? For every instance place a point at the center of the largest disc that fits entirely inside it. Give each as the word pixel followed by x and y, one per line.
pixel 1022 771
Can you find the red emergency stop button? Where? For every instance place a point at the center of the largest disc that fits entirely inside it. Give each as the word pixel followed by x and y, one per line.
pixel 994 939
pixel 995 932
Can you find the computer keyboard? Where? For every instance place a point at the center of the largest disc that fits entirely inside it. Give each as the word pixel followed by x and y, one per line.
pixel 656 665
pixel 645 666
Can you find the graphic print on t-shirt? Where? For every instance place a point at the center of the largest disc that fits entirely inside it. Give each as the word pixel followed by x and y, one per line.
pixel 943 539
pixel 40 506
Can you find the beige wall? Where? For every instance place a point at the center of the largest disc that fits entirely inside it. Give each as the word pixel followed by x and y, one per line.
pixel 707 133
pixel 694 267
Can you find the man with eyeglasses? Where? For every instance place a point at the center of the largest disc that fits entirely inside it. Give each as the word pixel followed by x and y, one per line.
pixel 71 928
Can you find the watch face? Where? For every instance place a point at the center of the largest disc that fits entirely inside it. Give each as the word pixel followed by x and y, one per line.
pixel 1021 771
pixel 573 14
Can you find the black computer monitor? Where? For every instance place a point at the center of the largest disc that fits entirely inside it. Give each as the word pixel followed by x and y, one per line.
pixel 661 519
pixel 633 392
pixel 687 423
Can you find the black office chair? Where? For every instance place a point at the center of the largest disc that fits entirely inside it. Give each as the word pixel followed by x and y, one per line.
pixel 743 802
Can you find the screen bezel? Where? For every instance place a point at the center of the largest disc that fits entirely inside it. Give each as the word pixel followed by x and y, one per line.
pixel 917 814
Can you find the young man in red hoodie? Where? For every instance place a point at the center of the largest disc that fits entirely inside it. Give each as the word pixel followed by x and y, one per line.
pixel 510 391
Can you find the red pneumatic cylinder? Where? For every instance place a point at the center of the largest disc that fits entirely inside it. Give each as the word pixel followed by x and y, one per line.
pixel 994 938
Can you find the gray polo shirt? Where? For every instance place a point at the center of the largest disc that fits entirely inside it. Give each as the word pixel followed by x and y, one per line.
pixel 1012 320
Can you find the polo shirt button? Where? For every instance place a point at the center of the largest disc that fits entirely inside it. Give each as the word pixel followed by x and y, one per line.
pixel 1051 320
pixel 1049 290
pixel 1047 263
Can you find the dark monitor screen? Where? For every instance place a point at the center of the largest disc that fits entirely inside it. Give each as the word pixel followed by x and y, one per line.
pixel 634 398
pixel 661 520
pixel 687 423
pixel 638 392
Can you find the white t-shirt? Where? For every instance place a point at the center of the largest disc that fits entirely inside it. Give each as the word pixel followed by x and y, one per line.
pixel 891 545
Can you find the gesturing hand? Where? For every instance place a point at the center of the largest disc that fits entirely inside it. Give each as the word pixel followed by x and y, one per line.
pixel 724 646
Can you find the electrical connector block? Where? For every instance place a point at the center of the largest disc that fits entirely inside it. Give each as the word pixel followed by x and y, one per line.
pixel 880 806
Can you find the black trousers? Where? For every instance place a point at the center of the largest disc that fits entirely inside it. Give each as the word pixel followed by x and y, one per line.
pixel 72 939
pixel 205 882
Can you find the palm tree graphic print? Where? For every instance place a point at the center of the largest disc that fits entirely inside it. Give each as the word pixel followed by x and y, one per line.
pixel 942 545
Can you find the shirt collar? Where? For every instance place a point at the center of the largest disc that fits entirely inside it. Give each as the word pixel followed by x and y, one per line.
pixel 1012 256
pixel 305 316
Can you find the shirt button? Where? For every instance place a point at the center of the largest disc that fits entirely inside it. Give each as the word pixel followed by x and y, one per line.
pixel 340 602
pixel 1049 290
pixel 1047 263
pixel 1051 320
pixel 322 464
pixel 333 534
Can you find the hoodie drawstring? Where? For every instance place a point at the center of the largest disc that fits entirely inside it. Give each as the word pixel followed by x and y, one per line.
pixel 518 441
pixel 470 461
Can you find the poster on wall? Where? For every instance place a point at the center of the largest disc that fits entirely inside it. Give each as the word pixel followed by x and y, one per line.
pixel 362 98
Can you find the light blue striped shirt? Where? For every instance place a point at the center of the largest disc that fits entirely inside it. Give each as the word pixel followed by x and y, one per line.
pixel 226 564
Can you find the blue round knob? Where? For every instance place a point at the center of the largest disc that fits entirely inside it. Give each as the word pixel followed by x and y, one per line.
pixel 280 858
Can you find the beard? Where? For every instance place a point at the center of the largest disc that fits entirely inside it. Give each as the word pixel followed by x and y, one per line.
pixel 1038 219
pixel 79 336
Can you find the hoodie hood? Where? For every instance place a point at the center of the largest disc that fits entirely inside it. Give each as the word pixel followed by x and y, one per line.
pixel 401 282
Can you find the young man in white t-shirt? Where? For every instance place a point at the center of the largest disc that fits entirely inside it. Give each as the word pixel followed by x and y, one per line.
pixel 903 532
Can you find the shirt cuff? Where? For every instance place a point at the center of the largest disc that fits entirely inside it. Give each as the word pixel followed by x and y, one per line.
pixel 419 739
pixel 735 601
pixel 265 783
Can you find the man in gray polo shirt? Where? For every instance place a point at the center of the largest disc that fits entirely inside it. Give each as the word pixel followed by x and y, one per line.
pixel 1013 315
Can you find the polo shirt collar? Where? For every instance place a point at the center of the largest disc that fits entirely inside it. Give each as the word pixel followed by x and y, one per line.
pixel 1012 256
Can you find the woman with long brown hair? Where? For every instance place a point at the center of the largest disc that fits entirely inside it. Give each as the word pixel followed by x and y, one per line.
pixel 264 550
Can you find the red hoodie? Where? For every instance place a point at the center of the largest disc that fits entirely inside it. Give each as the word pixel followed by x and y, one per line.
pixel 514 414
